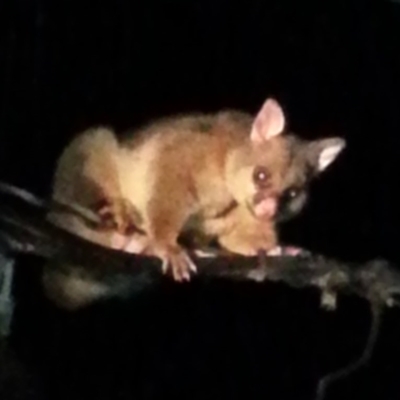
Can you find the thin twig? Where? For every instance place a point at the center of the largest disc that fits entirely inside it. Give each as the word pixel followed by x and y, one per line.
pixel 327 380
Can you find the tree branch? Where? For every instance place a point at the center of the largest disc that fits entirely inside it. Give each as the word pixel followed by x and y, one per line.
pixel 24 229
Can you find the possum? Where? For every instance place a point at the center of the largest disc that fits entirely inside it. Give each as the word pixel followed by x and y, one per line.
pixel 228 176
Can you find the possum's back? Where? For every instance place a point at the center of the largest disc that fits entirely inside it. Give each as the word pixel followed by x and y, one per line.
pixel 176 151
pixel 96 162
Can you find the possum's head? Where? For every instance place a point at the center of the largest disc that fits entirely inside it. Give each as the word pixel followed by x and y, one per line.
pixel 270 172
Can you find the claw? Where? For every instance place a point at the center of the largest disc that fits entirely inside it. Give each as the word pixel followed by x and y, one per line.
pixel 205 253
pixel 192 265
pixel 177 261
pixel 164 266
pixel 284 251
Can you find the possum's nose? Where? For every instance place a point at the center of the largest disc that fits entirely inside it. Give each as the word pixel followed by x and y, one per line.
pixel 266 207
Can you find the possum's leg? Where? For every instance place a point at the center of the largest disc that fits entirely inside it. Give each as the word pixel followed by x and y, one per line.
pixel 86 174
pixel 164 220
pixel 118 214
pixel 124 221
pixel 164 244
pixel 249 240
pixel 240 232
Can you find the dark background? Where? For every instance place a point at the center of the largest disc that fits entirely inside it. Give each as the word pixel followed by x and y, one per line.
pixel 334 66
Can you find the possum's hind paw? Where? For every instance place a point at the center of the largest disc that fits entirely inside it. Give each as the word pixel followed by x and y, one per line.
pixel 135 243
pixel 119 215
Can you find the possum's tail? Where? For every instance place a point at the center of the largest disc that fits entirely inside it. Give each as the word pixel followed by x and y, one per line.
pixel 24 227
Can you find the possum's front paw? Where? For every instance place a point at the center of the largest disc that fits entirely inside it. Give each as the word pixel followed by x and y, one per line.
pixel 176 260
pixel 285 251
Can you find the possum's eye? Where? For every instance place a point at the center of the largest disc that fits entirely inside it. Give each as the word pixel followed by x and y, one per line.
pixel 292 193
pixel 261 176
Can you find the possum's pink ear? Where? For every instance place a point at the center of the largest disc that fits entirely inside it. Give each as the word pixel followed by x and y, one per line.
pixel 269 122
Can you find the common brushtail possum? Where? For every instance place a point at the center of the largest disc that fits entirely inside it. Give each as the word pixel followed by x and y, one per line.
pixel 228 175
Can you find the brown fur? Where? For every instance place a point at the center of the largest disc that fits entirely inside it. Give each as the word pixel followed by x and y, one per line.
pixel 178 174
